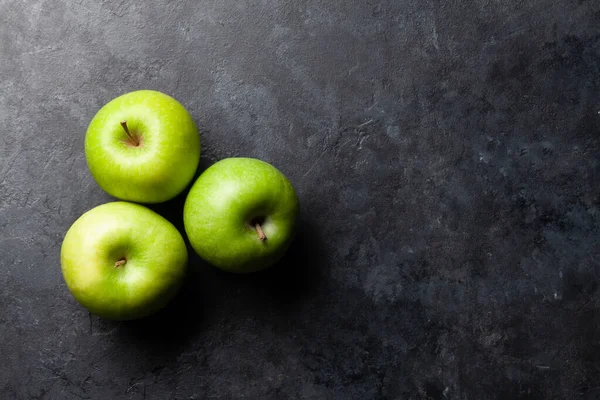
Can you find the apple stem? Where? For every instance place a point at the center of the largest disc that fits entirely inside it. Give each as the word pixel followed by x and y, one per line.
pixel 261 234
pixel 120 262
pixel 131 137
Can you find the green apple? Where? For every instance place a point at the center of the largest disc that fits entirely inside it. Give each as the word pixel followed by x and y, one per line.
pixel 143 146
pixel 240 214
pixel 123 261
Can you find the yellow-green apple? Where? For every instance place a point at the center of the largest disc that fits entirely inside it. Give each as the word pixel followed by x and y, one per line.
pixel 123 261
pixel 240 214
pixel 143 146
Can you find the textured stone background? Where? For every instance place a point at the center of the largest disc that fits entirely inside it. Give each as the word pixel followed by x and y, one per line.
pixel 447 157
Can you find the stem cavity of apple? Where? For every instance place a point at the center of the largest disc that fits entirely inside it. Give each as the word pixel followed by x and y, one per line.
pixel 120 263
pixel 261 234
pixel 133 138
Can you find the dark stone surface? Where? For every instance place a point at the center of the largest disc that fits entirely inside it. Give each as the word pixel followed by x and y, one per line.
pixel 447 159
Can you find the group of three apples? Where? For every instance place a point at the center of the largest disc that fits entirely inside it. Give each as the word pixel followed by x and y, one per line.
pixel 122 260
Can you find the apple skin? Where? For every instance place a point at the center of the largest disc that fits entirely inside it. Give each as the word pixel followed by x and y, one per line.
pixel 166 159
pixel 224 202
pixel 155 253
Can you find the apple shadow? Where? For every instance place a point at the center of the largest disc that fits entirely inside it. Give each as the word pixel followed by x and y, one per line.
pixel 182 318
pixel 208 294
pixel 286 285
pixel 207 291
pixel 170 329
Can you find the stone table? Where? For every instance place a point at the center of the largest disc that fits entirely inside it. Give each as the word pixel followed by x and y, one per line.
pixel 446 155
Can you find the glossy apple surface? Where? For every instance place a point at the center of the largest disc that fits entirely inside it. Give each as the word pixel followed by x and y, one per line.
pixel 123 261
pixel 240 215
pixel 143 147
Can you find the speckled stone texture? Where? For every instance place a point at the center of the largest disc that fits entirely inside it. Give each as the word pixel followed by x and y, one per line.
pixel 447 158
